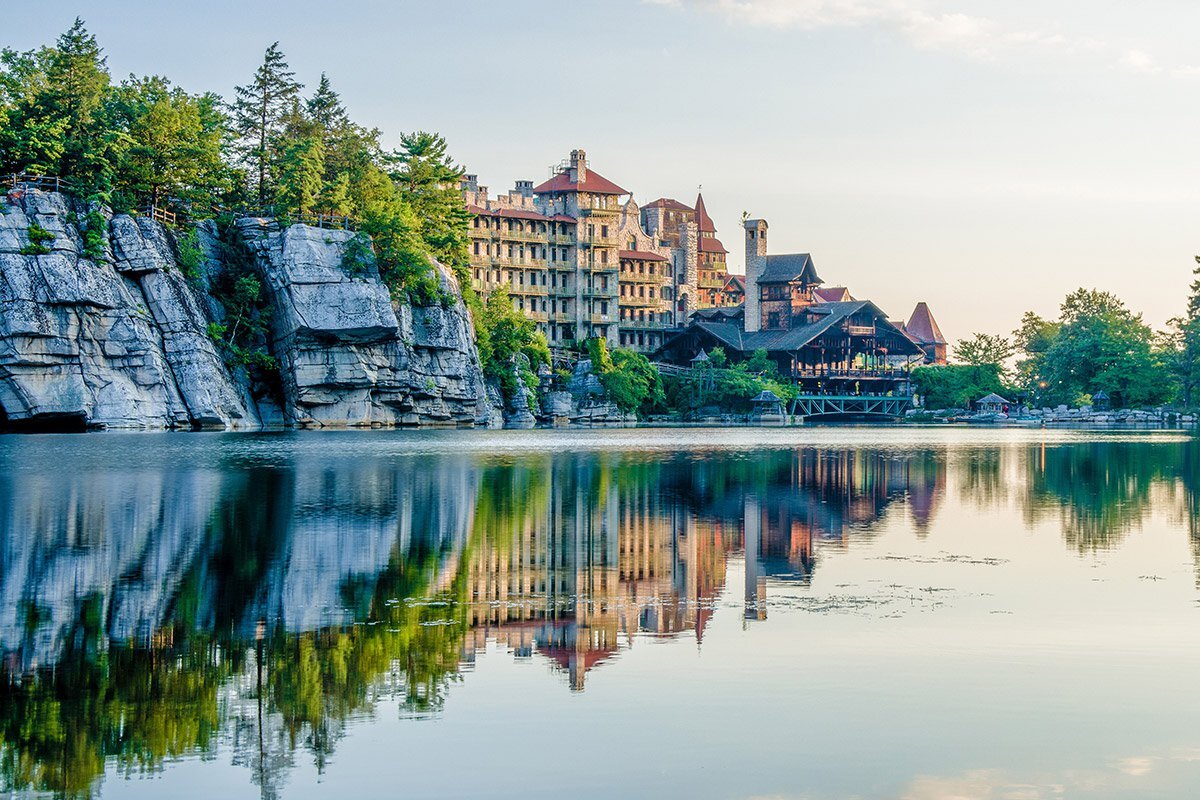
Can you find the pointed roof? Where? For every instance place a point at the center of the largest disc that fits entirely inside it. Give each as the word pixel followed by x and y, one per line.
pixel 789 268
pixel 833 294
pixel 923 327
pixel 702 218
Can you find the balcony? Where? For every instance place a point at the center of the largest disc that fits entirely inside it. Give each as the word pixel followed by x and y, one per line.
pixel 639 302
pixel 562 316
pixel 860 330
pixel 601 319
pixel 536 291
pixel 642 277
pixel 644 325
pixel 519 236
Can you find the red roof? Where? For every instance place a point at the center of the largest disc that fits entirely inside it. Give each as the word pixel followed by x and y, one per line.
pixel 709 244
pixel 641 255
pixel 668 202
pixel 737 282
pixel 923 327
pixel 594 183
pixel 702 218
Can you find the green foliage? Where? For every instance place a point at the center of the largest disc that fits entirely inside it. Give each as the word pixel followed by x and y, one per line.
pixel 957 385
pixel 502 334
pixel 1181 346
pixel 727 388
pixel 631 382
pixel 1097 344
pixel 188 254
pixel 358 255
pixel 95 232
pixel 984 348
pixel 38 238
pixel 428 180
pixel 259 113
pixel 237 287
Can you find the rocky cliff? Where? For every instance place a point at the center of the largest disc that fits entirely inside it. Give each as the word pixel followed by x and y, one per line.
pixel 122 340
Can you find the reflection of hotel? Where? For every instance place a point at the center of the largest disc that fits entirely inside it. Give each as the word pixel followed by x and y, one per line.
pixel 602 556
pixel 611 547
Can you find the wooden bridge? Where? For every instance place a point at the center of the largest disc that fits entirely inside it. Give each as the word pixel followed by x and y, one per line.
pixel 807 406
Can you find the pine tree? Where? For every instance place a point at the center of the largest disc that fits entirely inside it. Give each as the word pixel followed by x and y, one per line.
pixel 77 80
pixel 428 180
pixel 258 114
pixel 325 107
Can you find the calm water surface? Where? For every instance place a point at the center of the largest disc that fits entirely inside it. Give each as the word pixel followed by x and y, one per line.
pixel 822 613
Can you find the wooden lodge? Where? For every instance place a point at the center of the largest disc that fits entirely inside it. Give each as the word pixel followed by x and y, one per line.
pixel 824 339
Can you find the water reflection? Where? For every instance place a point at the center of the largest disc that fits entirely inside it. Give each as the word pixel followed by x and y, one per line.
pixel 152 613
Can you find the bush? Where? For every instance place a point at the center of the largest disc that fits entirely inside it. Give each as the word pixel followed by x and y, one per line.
pixel 631 382
pixel 38 237
pixel 188 254
pixel 502 333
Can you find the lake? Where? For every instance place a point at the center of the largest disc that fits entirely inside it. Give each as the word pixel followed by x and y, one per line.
pixel 703 613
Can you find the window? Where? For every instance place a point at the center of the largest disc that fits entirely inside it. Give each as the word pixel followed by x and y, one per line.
pixel 604 231
pixel 477 248
pixel 603 256
pixel 603 306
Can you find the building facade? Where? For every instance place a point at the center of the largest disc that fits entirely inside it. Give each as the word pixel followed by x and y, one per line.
pixel 581 263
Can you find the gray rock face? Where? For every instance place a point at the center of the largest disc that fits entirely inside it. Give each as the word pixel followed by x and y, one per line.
pixel 116 343
pixel 347 357
pixel 123 342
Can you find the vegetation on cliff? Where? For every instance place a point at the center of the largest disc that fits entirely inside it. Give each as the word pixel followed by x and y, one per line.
pixel 145 142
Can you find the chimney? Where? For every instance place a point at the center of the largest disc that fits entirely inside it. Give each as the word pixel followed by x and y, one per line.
pixel 524 188
pixel 470 183
pixel 756 263
pixel 578 166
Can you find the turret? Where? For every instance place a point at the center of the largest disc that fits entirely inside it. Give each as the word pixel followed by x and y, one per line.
pixel 756 263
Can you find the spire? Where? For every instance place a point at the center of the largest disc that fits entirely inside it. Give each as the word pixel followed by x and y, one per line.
pixel 703 220
pixel 923 327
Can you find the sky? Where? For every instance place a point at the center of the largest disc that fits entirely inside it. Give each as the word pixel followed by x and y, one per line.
pixel 985 157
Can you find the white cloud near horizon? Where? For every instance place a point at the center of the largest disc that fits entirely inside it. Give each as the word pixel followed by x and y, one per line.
pixel 928 25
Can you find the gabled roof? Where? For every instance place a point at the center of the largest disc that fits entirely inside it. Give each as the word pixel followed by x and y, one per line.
pixel 790 267
pixel 668 203
pixel 641 255
pixel 594 182
pixel 737 282
pixel 833 294
pixel 703 220
pixel 991 398
pixel 710 244
pixel 732 335
pixel 923 327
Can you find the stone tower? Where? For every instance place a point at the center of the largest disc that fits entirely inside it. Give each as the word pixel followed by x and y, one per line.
pixel 756 263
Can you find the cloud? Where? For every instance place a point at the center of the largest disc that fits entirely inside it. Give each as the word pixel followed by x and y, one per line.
pixel 928 25
pixel 1139 61
pixel 968 34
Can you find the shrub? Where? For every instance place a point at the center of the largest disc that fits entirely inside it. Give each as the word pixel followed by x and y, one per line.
pixel 38 237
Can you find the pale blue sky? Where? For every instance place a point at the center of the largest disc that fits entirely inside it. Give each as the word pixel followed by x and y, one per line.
pixel 987 157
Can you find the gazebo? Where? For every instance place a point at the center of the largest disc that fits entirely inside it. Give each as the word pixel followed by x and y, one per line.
pixel 1101 401
pixel 767 404
pixel 992 404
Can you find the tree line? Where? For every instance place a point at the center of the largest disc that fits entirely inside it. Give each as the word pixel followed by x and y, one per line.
pixel 144 141
pixel 1096 344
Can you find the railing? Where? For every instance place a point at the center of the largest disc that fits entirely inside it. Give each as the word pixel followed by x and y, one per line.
pixel 601 319
pixel 160 215
pixel 645 325
pixel 335 221
pixel 860 330
pixel 46 183
pixel 853 374
pixel 640 302
pixel 642 277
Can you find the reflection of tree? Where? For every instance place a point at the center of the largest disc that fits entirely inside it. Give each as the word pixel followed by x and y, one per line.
pixel 1100 490
pixel 981 475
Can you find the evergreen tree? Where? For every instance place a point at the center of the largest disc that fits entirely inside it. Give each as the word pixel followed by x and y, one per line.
pixel 428 180
pixel 325 107
pixel 258 115
pixel 77 81
pixel 299 163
